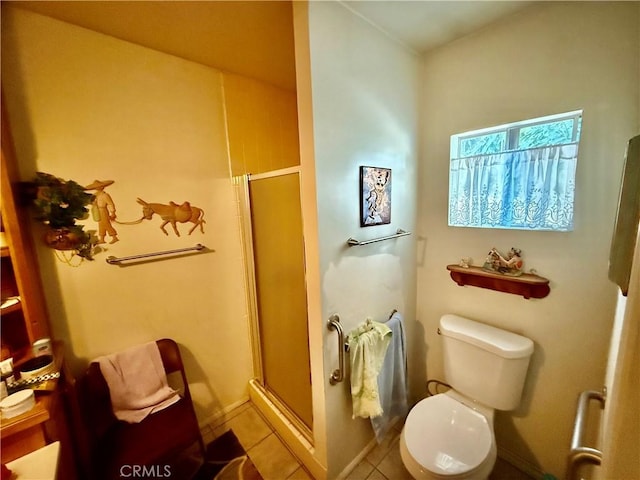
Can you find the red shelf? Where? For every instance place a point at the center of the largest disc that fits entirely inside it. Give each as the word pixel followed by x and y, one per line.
pixel 527 284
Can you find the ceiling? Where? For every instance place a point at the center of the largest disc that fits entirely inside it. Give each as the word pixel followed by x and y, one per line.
pixel 424 24
pixel 251 38
pixel 255 38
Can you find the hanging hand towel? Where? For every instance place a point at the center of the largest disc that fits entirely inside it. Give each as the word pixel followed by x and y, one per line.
pixel 392 380
pixel 368 344
pixel 137 382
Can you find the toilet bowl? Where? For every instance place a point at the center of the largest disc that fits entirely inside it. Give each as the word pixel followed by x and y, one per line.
pixel 443 438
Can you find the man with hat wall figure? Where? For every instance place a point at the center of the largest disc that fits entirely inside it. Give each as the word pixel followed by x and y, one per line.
pixel 104 210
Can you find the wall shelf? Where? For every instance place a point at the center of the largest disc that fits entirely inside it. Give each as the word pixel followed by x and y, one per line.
pixel 11 304
pixel 527 284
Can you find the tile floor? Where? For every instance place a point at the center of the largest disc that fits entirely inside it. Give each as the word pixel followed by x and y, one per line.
pixel 274 461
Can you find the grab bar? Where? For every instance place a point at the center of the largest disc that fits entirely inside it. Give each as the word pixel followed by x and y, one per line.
pixel 352 242
pixel 579 453
pixel 338 373
pixel 116 261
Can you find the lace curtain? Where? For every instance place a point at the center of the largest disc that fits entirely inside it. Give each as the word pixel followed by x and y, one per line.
pixel 525 189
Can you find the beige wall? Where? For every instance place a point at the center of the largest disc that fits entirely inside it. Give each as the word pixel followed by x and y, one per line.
pixel 262 123
pixel 551 58
pixel 621 419
pixel 365 112
pixel 309 200
pixel 86 106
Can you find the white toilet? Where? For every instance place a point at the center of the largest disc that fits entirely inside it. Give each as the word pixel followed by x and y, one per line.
pixel 450 435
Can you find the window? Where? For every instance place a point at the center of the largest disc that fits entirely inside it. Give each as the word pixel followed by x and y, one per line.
pixel 520 175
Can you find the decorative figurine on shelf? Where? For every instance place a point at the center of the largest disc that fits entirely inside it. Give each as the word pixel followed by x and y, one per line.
pixel 512 265
pixel 465 262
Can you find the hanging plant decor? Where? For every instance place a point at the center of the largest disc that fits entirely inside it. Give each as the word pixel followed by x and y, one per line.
pixel 59 204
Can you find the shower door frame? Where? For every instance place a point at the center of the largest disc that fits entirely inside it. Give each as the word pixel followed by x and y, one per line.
pixel 242 181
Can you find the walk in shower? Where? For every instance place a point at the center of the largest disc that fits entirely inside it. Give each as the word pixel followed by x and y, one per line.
pixel 272 232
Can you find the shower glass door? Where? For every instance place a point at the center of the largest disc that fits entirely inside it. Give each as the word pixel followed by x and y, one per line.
pixel 278 255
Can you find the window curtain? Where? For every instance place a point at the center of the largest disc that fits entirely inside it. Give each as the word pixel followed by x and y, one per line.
pixel 525 189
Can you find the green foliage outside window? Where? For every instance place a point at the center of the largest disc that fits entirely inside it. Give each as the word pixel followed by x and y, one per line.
pixel 541 135
pixel 520 136
pixel 484 144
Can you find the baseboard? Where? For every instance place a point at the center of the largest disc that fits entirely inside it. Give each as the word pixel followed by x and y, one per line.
pixel 520 463
pixel 221 416
pixel 365 451
pixel 356 461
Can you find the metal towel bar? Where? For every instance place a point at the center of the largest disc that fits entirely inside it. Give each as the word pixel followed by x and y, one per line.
pixel 338 374
pixel 334 323
pixel 580 454
pixel 117 261
pixel 352 242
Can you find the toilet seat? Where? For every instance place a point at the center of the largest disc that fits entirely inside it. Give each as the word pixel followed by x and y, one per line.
pixel 447 438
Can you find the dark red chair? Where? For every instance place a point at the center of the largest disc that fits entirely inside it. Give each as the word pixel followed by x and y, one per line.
pixel 113 449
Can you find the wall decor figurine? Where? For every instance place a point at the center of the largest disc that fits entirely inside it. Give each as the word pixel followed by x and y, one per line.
pixel 103 210
pixel 174 213
pixel 375 196
pixel 497 263
pixel 466 262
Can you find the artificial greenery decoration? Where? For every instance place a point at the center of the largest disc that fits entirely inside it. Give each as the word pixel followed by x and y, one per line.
pixel 59 203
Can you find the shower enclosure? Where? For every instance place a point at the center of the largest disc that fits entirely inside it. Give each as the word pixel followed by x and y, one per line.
pixel 271 216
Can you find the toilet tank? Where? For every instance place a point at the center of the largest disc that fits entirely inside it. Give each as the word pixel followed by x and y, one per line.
pixel 485 363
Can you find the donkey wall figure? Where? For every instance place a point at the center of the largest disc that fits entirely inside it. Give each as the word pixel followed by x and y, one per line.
pixel 174 213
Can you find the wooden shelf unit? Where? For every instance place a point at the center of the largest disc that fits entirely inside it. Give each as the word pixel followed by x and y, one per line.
pixel 20 271
pixel 527 284
pixel 27 321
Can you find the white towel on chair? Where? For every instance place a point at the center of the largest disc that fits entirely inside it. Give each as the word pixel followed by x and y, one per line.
pixel 137 382
pixel 392 380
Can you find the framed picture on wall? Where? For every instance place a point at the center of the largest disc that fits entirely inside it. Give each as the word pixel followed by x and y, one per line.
pixel 375 196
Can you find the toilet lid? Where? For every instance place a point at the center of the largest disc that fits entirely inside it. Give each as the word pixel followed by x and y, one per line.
pixel 447 437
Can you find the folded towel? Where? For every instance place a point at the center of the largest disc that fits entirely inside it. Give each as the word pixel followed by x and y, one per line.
pixel 392 380
pixel 137 382
pixel 368 344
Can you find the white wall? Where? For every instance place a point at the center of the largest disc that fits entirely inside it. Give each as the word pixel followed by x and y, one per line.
pixel 550 58
pixel 85 106
pixel 621 418
pixel 365 103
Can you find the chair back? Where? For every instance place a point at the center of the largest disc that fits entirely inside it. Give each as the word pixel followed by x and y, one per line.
pixel 97 421
pixel 172 362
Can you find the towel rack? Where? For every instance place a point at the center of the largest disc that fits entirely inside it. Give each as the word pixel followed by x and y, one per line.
pixel 338 374
pixel 334 323
pixel 352 242
pixel 117 261
pixel 578 453
pixel 346 343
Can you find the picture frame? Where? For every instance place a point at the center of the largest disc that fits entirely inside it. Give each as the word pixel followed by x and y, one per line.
pixel 375 196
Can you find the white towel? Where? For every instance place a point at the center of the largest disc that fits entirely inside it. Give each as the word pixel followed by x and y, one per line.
pixel 368 344
pixel 392 380
pixel 137 382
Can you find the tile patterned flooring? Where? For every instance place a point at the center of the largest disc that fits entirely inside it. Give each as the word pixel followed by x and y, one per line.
pixel 274 461
pixel 268 453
